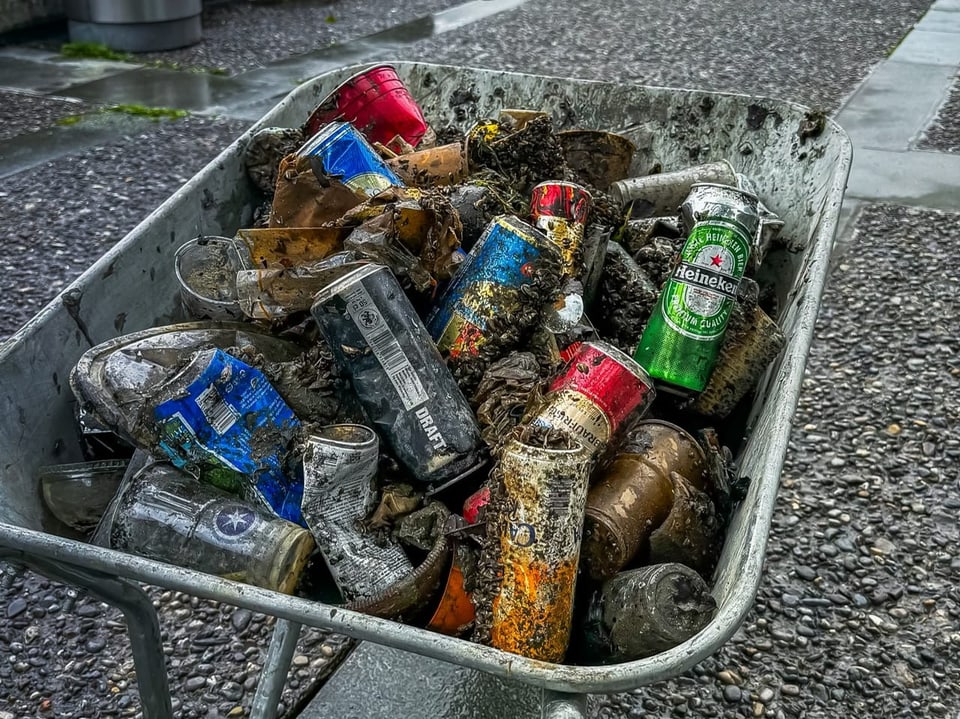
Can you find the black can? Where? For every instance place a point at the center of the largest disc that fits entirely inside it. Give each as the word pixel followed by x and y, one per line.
pixel 397 372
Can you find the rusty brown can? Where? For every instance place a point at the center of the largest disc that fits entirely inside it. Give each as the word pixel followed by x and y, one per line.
pixel 545 490
pixel 635 494
pixel 596 391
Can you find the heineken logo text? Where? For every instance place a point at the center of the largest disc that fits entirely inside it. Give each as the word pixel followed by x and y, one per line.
pixel 718 282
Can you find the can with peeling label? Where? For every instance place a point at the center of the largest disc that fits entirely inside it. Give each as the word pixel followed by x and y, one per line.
pixel 402 382
pixel 560 209
pixel 596 391
pixel 489 283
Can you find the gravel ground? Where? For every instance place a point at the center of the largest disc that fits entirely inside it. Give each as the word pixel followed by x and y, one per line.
pixel 21 113
pixel 944 132
pixel 243 35
pixel 101 194
pixel 858 613
pixel 778 49
pixel 63 654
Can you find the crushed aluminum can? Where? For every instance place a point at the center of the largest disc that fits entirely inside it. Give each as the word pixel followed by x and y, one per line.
pixel 488 283
pixel 560 210
pixel 339 493
pixel 645 611
pixel 634 494
pixel 378 104
pixel 165 514
pixel 655 195
pixel 279 292
pixel 402 382
pixel 114 379
pixel 340 151
pixel 221 413
pixel 206 270
pixel 434 166
pixel 473 506
pixel 596 391
pixel 692 533
pixel 277 247
pixel 539 547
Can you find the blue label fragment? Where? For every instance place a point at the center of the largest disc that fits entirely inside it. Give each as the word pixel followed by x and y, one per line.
pixel 228 409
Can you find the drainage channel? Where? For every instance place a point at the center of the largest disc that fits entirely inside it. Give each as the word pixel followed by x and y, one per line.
pixel 246 96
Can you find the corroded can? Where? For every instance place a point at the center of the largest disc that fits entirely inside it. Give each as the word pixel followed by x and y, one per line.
pixel 379 105
pixel 596 391
pixel 646 611
pixel 634 495
pixel 661 194
pixel 340 491
pixel 414 402
pixel 488 283
pixel 560 209
pixel 340 151
pixel 545 490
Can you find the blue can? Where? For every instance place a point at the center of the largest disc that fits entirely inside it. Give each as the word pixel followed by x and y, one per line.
pixel 225 420
pixel 340 151
pixel 488 283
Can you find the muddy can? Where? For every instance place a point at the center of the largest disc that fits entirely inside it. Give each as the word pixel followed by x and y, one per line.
pixel 378 104
pixel 596 391
pixel 402 381
pixel 646 611
pixel 662 194
pixel 488 283
pixel 634 495
pixel 165 514
pixel 560 209
pixel 222 417
pixel 338 150
pixel 339 494
pixel 545 491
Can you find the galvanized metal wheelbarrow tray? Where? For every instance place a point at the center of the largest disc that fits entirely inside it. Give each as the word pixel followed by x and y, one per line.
pixel 799 174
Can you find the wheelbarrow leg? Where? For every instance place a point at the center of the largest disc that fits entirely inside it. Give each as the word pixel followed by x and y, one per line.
pixel 143 626
pixel 275 669
pixel 558 705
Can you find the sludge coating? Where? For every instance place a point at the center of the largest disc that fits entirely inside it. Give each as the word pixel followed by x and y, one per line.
pixel 545 491
pixel 409 394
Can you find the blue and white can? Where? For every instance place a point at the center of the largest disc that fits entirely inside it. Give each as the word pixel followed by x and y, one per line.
pixel 340 151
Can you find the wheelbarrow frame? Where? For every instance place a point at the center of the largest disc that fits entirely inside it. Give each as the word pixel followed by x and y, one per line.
pixel 800 173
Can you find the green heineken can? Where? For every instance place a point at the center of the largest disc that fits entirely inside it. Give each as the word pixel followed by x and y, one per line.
pixel 680 343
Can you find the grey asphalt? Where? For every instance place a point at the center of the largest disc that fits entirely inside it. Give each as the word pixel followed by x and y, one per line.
pixel 835 630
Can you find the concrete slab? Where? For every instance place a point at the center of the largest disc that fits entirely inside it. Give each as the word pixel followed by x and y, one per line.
pixel 895 104
pixel 947 5
pixel 940 21
pixel 49 74
pixel 926 179
pixel 930 48
pixel 376 682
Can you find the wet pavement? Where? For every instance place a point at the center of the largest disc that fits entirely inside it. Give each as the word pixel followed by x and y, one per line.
pixel 831 623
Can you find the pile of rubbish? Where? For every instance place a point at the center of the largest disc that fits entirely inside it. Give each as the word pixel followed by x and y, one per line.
pixel 478 382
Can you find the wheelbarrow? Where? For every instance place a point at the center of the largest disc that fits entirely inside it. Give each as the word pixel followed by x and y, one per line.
pixel 799 172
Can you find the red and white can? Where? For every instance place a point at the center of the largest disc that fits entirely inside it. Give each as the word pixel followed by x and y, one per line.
pixel 598 389
pixel 560 209
pixel 378 104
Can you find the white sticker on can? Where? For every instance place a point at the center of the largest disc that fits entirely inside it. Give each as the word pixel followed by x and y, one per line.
pixel 369 320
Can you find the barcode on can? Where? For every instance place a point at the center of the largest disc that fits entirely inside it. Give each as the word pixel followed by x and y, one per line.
pixel 218 413
pixel 369 320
